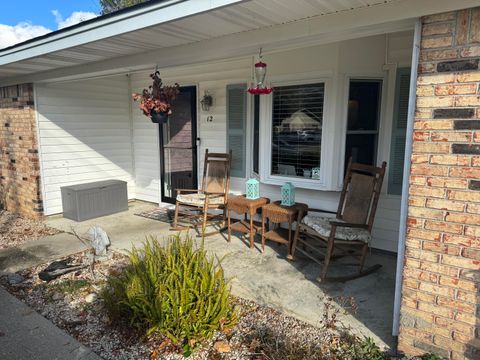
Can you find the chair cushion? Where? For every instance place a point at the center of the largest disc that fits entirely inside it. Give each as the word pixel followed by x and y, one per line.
pixel 322 225
pixel 198 199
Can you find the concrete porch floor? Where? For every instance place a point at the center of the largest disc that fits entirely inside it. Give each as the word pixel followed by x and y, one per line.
pixel 269 278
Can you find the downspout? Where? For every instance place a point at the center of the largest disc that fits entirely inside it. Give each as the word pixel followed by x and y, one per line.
pixel 406 176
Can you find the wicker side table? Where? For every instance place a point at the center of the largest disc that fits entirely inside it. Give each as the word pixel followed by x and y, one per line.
pixel 277 214
pixel 242 205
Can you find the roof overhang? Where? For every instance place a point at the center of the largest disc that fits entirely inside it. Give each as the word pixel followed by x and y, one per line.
pixel 182 32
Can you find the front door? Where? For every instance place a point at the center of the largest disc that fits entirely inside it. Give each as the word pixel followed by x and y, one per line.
pixel 178 150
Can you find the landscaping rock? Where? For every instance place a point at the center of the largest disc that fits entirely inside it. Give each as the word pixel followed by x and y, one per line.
pixel 90 298
pixel 99 240
pixel 222 347
pixel 57 296
pixel 14 279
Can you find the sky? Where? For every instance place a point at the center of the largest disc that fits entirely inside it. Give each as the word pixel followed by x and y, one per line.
pixel 21 20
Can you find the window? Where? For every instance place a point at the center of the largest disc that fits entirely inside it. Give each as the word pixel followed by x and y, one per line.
pixel 399 129
pixel 256 133
pixel 297 113
pixel 362 121
pixel 236 127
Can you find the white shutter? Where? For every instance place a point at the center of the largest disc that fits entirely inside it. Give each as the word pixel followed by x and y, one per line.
pixel 236 127
pixel 399 128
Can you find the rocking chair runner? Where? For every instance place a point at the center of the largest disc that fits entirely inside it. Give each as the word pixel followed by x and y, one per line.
pixel 352 226
pixel 194 205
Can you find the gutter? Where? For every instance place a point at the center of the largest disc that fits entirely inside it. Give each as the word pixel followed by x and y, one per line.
pixel 406 176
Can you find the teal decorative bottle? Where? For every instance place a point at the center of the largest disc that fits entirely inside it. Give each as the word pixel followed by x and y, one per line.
pixel 252 189
pixel 288 194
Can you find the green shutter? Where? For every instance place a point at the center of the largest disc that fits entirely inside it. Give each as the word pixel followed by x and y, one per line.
pixel 236 127
pixel 399 128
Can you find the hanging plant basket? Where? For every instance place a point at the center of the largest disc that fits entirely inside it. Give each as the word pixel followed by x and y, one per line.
pixel 155 102
pixel 159 117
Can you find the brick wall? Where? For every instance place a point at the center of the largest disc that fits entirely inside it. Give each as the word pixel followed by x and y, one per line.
pixel 19 164
pixel 441 286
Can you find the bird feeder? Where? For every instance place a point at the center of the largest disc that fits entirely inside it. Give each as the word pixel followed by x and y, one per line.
pixel 260 72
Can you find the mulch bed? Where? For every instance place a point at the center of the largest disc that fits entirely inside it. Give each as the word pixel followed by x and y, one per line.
pixel 15 230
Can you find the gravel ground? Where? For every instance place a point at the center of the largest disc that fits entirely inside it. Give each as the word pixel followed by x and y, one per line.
pixel 72 304
pixel 15 230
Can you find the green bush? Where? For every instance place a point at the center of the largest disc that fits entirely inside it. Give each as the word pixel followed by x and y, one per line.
pixel 175 290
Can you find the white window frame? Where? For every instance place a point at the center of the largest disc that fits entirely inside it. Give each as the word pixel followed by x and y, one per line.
pixel 266 104
pixel 381 149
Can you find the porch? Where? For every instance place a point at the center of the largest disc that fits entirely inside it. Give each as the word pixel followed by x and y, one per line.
pixel 269 278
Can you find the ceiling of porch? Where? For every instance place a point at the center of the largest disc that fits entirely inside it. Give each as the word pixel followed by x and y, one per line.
pixel 236 18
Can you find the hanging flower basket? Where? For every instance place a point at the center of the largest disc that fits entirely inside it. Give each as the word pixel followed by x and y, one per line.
pixel 155 102
pixel 159 117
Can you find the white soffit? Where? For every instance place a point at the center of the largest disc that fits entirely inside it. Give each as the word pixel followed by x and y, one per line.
pixel 179 23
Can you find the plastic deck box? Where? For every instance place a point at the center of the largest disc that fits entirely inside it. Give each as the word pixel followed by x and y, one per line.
pixel 87 201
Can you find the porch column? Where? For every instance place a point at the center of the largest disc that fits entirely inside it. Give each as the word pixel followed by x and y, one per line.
pixel 441 284
pixel 19 161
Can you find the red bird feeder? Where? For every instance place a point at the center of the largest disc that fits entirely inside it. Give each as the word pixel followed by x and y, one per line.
pixel 260 73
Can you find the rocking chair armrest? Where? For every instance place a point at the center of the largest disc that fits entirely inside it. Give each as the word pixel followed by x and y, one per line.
pixel 349 225
pixel 179 191
pixel 321 211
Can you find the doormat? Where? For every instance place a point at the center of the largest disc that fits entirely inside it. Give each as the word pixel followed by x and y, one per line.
pixel 160 214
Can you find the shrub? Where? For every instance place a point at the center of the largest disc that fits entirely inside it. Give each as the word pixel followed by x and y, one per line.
pixel 175 290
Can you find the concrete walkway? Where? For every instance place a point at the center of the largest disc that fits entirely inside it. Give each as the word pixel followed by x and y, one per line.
pixel 24 334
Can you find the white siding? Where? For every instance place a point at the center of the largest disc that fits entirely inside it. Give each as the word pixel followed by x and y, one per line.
pixel 145 148
pixel 84 135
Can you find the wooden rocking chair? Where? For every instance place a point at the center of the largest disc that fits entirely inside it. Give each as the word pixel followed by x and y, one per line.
pixel 350 229
pixel 194 205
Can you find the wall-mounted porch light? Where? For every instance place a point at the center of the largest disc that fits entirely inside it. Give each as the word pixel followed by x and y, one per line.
pixel 207 101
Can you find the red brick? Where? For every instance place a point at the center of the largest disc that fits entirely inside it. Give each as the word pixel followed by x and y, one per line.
pixel 436 246
pixel 452 136
pixel 468 241
pixel 436 101
pixel 421 136
pixel 419 212
pixel 465 172
pixel 424 234
pixel 425 191
pixel 436 42
pixel 420 159
pixel 439 268
pixel 445 205
pixel 456 89
pixel 429 170
pixel 444 227
pixel 460 262
pixel 433 125
pixel 463 195
pixel 431 148
pixel 471 253
pixel 447 183
pixel 450 159
pixel 418 180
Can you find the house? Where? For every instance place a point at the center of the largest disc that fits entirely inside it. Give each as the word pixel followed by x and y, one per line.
pixel 378 80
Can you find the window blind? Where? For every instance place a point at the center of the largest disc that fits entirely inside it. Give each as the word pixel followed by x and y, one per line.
pixel 297 113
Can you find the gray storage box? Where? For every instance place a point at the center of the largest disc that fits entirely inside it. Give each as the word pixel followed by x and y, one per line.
pixel 87 201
